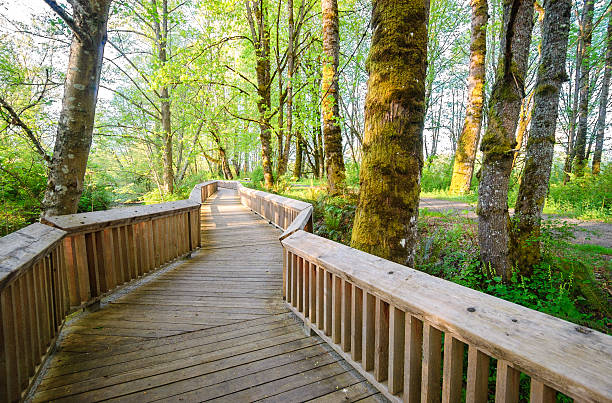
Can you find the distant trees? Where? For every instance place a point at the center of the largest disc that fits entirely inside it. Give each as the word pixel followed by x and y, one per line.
pixel 386 216
pixel 75 127
pixel 603 99
pixel 257 15
pixel 332 134
pixel 465 155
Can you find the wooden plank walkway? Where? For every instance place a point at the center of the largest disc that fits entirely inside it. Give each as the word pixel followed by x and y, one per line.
pixel 210 328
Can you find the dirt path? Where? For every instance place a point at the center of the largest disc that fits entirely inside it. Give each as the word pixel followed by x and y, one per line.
pixel 587 232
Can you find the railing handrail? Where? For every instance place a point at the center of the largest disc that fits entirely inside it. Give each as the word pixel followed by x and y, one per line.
pixel 21 249
pixel 96 220
pixel 543 346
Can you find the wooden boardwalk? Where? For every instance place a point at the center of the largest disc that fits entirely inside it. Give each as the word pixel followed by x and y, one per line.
pixel 210 328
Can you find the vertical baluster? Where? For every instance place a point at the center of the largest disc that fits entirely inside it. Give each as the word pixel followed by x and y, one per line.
pixel 199 226
pixel 381 354
pixel 432 348
pixel 22 360
pixel 71 272
pixel 82 268
pixel 413 357
pixel 356 322
pixel 312 293
pixel 336 309
pixel 327 285
pixel 477 376
pixel 155 228
pixel 98 242
pixel 284 271
pixel 132 252
pixel 288 263
pixel 345 336
pixel 109 258
pixel 507 385
pixel 305 287
pixel 46 300
pixel 294 279
pixel 92 265
pixel 320 297
pixel 368 333
pixel 453 369
pixel 25 325
pixel 540 393
pixel 300 283
pixel 9 378
pixel 37 302
pixel 396 350
pixel 31 307
pixel 151 245
pixel 125 255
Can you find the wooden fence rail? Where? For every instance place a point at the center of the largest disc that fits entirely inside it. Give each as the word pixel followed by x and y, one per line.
pixel 48 271
pixel 33 303
pixel 410 333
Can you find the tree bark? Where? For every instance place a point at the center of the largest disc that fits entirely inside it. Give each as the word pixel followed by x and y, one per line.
pixel 541 143
pixel 334 158
pixel 463 167
pixel 297 168
pixel 386 216
pixel 260 33
pixel 499 141
pixel 570 151
pixel 603 102
pixel 583 107
pixel 75 126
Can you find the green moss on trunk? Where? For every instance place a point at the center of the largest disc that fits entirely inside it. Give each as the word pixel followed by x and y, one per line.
pixel 385 221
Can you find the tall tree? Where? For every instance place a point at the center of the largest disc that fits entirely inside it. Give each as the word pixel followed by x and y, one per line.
pixel 260 35
pixel 332 133
pixel 386 217
pixel 541 143
pixel 75 126
pixel 499 141
pixel 583 107
pixel 603 101
pixel 465 155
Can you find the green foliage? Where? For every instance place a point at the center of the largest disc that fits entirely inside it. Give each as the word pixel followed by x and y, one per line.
pixel 257 175
pixel 95 197
pixel 586 197
pixel 352 174
pixel 437 172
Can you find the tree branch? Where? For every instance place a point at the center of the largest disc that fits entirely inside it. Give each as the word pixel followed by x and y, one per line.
pixel 61 12
pixel 16 120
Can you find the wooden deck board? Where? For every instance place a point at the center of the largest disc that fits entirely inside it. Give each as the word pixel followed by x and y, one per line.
pixel 212 327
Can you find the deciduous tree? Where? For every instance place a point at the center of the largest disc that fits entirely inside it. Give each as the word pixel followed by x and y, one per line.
pixel 386 217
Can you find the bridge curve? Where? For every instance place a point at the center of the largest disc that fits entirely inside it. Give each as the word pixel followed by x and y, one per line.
pixel 213 327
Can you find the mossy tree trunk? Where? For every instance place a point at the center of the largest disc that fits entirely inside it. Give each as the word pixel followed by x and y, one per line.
pixel 75 127
pixel 499 141
pixel 580 158
pixel 603 101
pixel 386 217
pixel 540 146
pixel 257 17
pixel 332 134
pixel 465 155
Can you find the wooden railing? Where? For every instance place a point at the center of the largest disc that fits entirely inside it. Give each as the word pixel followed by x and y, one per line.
pixel 104 249
pixel 33 303
pixel 48 271
pixel 409 333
